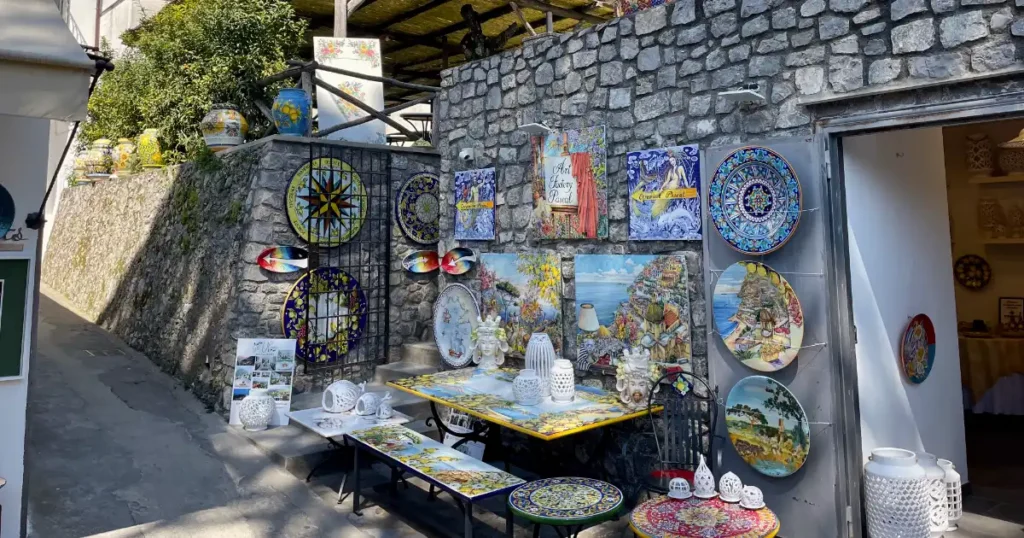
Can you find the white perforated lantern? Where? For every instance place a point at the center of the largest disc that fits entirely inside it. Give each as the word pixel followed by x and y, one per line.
pixel 730 488
pixel 752 498
pixel 341 396
pixel 895 495
pixel 679 488
pixel 954 493
pixel 704 481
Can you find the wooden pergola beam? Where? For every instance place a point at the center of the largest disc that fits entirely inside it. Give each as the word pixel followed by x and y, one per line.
pixel 567 13
pixel 408 15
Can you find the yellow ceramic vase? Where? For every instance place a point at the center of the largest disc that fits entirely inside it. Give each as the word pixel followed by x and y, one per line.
pixel 122 155
pixel 149 149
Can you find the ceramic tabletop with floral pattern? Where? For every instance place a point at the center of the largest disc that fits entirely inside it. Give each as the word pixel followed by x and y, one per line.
pixel 662 517
pixel 487 395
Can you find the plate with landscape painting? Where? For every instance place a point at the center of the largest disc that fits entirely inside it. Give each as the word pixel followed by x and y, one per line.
pixel 455 317
pixel 758 316
pixel 754 200
pixel 325 312
pixel 917 350
pixel 767 426
pixel 417 209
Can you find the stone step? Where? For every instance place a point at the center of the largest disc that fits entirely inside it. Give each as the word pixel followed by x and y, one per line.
pixel 422 353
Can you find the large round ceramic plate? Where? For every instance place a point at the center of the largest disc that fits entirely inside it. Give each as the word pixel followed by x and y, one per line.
pixel 758 316
pixel 565 500
pixel 326 202
pixel 326 313
pixel 754 200
pixel 917 351
pixel 767 426
pixel 972 271
pixel 417 208
pixel 6 211
pixel 455 316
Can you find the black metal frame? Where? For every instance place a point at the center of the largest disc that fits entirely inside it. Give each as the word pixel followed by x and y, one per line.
pixel 366 257
pixel 685 434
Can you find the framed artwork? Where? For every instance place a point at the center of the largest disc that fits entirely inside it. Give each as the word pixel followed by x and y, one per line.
pixel 474 204
pixel 632 301
pixel 264 363
pixel 1011 313
pixel 664 194
pixel 359 56
pixel 525 289
pixel 570 184
pixel 13 282
pixel 767 426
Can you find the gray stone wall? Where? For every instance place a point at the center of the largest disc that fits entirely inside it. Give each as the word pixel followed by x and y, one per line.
pixel 166 259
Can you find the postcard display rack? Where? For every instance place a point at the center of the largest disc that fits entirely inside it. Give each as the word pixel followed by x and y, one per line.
pixel 802 262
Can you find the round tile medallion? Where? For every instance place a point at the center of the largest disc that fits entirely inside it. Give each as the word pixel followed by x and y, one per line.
pixel 325 311
pixel 417 208
pixel 326 202
pixel 566 500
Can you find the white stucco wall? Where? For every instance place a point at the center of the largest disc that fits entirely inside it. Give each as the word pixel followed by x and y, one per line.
pixel 901 265
pixel 23 150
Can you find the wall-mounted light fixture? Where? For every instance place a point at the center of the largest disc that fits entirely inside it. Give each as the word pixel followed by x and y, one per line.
pixel 749 94
pixel 535 129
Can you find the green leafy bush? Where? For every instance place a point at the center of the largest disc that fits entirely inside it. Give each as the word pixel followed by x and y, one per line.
pixel 190 55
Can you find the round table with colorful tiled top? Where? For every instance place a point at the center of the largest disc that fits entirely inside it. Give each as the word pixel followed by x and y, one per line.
pixel 662 517
pixel 568 504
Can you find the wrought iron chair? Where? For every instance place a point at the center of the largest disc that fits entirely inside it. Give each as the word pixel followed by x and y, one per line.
pixel 683 430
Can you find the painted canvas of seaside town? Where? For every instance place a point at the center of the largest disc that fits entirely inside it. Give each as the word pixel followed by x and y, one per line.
pixel 526 291
pixel 640 301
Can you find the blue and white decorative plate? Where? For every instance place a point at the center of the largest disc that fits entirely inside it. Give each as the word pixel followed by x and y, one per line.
pixel 417 208
pixel 754 200
pixel 325 312
pixel 455 318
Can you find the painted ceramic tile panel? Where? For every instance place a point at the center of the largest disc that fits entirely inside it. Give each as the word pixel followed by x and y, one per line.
pixel 570 185
pixel 640 301
pixel 767 426
pixel 474 204
pixel 758 315
pixel 526 291
pixel 489 394
pixel 359 56
pixel 664 194
pixel 469 476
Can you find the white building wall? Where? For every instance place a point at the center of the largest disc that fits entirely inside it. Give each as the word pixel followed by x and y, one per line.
pixel 900 266
pixel 23 150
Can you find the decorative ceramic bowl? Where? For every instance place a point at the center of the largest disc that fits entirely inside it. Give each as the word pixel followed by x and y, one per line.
pixel 679 488
pixel 730 488
pixel 753 499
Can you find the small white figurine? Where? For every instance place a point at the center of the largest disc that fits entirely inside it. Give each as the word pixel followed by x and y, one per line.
pixel 489 343
pixel 635 376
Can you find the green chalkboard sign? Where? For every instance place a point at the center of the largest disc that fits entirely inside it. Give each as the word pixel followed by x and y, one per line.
pixel 13 279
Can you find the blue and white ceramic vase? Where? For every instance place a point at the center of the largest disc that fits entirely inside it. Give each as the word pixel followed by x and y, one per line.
pixel 291 112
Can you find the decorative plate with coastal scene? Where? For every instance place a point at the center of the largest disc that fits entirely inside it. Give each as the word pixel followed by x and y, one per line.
pixel 326 202
pixel 758 316
pixel 767 426
pixel 917 350
pixel 972 271
pixel 325 312
pixel 455 316
pixel 417 208
pixel 754 200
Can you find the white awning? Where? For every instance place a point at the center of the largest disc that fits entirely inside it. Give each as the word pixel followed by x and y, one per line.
pixel 44 73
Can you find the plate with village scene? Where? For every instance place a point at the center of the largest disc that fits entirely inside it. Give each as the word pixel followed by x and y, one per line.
pixel 767 426
pixel 754 200
pixel 417 209
pixel 325 312
pixel 455 317
pixel 326 202
pixel 917 349
pixel 758 316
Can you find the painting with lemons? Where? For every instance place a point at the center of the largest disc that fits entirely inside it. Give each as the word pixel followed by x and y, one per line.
pixel 758 316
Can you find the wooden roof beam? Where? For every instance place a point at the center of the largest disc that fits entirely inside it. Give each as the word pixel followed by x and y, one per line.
pixel 567 13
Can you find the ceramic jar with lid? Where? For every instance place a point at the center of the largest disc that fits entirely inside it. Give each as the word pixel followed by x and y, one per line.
pixel 895 495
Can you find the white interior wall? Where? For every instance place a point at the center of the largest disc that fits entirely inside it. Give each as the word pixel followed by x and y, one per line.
pixel 23 150
pixel 901 265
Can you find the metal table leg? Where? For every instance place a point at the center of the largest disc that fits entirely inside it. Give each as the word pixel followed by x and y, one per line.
pixel 469 520
pixel 509 521
pixel 355 487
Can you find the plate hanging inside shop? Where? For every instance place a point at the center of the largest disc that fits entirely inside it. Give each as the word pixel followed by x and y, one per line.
pixel 754 200
pixel 417 209
pixel 325 312
pixel 758 316
pixel 972 271
pixel 917 350
pixel 326 202
pixel 767 426
pixel 456 314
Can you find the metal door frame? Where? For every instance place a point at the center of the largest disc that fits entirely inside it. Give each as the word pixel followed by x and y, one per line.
pixel 842 333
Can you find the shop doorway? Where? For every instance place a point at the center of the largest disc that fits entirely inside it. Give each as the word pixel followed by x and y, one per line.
pixel 908 204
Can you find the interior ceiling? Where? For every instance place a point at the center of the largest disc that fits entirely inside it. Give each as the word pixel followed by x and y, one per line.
pixel 419 38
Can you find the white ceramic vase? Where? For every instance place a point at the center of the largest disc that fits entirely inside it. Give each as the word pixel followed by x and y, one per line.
pixel 526 387
pixel 256 410
pixel 938 512
pixel 563 382
pixel 895 495
pixel 540 357
pixel 954 493
pixel 341 396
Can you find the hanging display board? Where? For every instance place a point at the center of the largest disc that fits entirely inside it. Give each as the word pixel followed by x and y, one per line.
pixel 358 56
pixel 13 280
pixel 570 184
pixel 264 363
